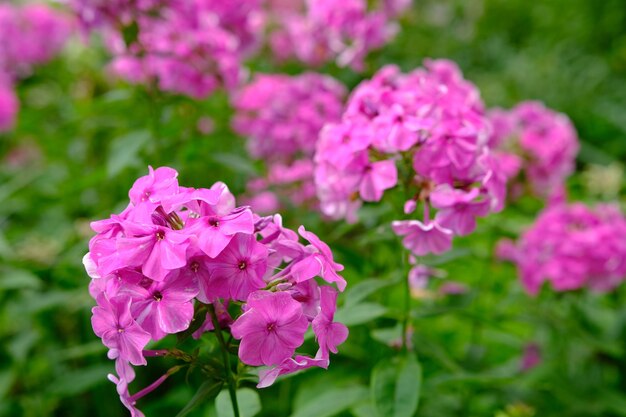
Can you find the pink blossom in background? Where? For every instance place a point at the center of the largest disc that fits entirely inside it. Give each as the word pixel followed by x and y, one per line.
pixel 426 130
pixel 531 357
pixel 281 117
pixel 30 35
pixel 189 47
pixel 319 31
pixel 572 247
pixel 176 249
pixel 536 141
pixel 9 106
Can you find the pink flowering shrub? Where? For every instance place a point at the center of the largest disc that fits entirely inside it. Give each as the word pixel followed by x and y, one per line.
pixel 281 117
pixel 30 35
pixel 320 31
pixel 571 247
pixel 534 143
pixel 176 253
pixel 190 47
pixel 425 132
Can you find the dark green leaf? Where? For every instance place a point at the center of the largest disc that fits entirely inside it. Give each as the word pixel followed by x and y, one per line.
pixel 207 391
pixel 395 386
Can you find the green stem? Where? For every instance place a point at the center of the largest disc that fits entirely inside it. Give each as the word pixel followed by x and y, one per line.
pixel 232 386
pixel 407 306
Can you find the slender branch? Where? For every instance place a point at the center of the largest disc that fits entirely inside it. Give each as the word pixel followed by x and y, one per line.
pixel 232 386
pixel 407 306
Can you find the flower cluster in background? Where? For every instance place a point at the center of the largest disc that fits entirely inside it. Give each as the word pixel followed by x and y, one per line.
pixel 319 31
pixel 190 47
pixel 30 35
pixel 175 250
pixel 534 144
pixel 426 131
pixel 193 47
pixel 571 247
pixel 281 116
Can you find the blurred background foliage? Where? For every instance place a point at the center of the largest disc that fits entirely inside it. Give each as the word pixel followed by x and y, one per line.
pixel 82 139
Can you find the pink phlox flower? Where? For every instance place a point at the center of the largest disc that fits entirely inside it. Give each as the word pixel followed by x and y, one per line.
pixel 163 307
pixel 157 249
pixel 158 184
pixel 422 239
pixel 378 177
pixel 307 293
pixel 239 269
pixel 214 232
pixel 125 375
pixel 458 209
pixel 319 262
pixel 113 323
pixel 329 334
pixel 270 330
pixel 290 365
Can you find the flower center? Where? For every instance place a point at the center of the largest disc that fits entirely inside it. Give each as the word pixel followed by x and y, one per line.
pixel 214 222
pixel 120 330
pixel 194 266
pixel 157 296
pixel 271 327
pixel 160 235
pixel 242 265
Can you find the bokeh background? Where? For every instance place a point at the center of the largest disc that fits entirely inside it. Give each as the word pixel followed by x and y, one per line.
pixel 82 138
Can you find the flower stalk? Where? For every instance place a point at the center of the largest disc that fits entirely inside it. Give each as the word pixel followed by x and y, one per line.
pixel 232 385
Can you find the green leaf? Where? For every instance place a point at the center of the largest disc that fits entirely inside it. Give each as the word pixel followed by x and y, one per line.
pixel 125 151
pixel 130 33
pixel 364 288
pixel 76 382
pixel 360 313
pixel 207 391
pixel 235 162
pixel 13 279
pixel 395 386
pixel 247 399
pixel 332 402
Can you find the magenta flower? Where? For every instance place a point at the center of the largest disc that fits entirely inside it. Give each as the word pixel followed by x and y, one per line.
pixel 152 187
pixel 125 375
pixel 329 334
pixel 545 144
pixel 422 239
pixel 571 247
pixel 158 250
pixel 163 307
pixel 289 366
pixel 319 263
pixel 271 329
pixel 113 322
pixel 458 209
pixel 239 269
pixel 215 232
pixel 149 264
pixel 378 177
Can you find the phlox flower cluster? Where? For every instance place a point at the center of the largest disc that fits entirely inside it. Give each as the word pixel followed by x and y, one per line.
pixel 319 31
pixel 30 35
pixel 571 247
pixel 190 47
pixel 425 131
pixel 175 250
pixel 281 117
pixel 535 144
